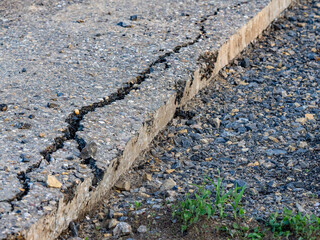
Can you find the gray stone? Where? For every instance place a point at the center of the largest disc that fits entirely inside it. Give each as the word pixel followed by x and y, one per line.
pixel 276 152
pixel 167 184
pixel 89 151
pixel 140 211
pixel 142 229
pixel 112 223
pixel 240 183
pixel 156 206
pixel 300 208
pixel 123 185
pixel 245 63
pixel 122 229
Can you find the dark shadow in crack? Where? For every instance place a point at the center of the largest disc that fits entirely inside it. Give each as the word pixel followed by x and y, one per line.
pixel 74 120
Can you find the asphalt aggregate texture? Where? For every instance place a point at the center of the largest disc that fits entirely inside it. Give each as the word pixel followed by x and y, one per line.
pixel 258 123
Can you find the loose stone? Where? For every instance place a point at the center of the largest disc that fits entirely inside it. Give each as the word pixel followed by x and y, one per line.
pixel 89 151
pixel 122 229
pixel 112 223
pixel 3 107
pixel 142 229
pixel 76 112
pixel 147 177
pixel 167 184
pixel 123 185
pixel 23 125
pixel 53 182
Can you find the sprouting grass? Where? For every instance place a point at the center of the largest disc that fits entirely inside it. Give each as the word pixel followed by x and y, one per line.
pixel 221 197
pixel 236 197
pixel 137 205
pixel 243 232
pixel 288 224
pixel 192 208
pixel 209 202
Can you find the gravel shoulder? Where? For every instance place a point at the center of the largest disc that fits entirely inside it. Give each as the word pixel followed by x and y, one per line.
pixel 258 123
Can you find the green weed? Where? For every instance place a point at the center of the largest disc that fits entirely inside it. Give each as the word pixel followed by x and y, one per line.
pixel 201 203
pixel 190 210
pixel 221 197
pixel 137 205
pixel 287 224
pixel 236 197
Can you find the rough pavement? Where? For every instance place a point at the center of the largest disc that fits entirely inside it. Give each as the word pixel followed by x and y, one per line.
pixel 258 122
pixel 99 71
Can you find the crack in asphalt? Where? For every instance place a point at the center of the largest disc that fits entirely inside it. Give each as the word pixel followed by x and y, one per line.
pixel 74 120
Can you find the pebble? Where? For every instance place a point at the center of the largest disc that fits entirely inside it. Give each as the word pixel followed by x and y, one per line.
pixel 23 125
pixel 110 213
pixel 53 105
pixel 117 214
pixel 3 107
pixel 53 182
pixel 303 144
pixel 140 211
pixel 300 208
pixel 240 183
pixel 245 63
pixel 156 206
pixel 142 229
pixel 276 152
pixel 312 56
pixel 122 229
pixel 124 25
pixel 112 223
pixel 147 177
pixel 89 151
pixel 76 112
pixel 134 18
pixel 167 184
pixel 123 185
pixel 216 122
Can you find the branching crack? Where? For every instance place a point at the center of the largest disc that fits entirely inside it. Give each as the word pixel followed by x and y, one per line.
pixel 24 180
pixel 74 120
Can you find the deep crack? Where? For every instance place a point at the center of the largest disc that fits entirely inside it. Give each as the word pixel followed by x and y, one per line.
pixel 24 180
pixel 74 120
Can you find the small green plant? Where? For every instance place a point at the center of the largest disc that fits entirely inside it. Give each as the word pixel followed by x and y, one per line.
pixel 137 205
pixel 256 234
pixel 277 227
pixel 192 208
pixel 152 214
pixel 288 224
pixel 243 232
pixel 236 197
pixel 313 195
pixel 221 197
